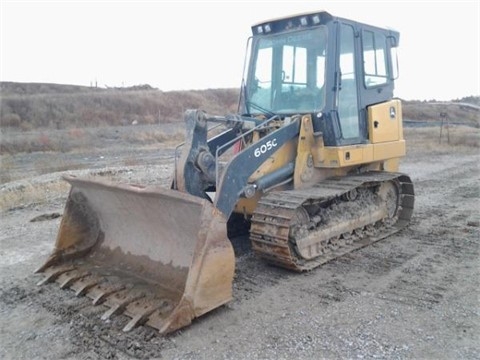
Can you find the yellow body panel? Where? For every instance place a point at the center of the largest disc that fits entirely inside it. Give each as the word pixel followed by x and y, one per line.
pixel 304 160
pixel 386 141
pixel 342 156
pixel 385 122
pixel 314 161
pixel 388 150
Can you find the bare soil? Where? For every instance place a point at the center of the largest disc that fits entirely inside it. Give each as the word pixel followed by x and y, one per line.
pixel 414 295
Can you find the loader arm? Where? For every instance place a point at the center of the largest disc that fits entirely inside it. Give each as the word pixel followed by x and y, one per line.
pixel 196 170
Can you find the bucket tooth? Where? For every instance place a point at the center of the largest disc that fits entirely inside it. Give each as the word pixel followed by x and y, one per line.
pixel 67 279
pixel 53 273
pixel 99 293
pixel 136 320
pixel 110 312
pixel 81 287
pixel 157 318
pixel 118 302
pixel 140 311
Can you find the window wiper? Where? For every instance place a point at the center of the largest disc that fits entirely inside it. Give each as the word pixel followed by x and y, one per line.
pixel 264 111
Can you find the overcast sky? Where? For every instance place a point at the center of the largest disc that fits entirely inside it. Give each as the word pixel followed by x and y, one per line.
pixel 183 45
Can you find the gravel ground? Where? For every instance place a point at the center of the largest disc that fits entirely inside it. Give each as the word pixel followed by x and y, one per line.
pixel 414 295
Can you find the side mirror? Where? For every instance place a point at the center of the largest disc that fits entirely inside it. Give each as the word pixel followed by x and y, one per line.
pixel 395 67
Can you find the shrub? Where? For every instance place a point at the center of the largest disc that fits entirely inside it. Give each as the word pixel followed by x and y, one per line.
pixel 13 120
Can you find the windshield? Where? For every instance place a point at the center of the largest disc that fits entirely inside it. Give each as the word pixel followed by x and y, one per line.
pixel 287 72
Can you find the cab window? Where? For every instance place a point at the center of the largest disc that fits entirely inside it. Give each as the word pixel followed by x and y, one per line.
pixel 374 58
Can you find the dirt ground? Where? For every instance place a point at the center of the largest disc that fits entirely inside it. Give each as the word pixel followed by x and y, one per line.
pixel 414 295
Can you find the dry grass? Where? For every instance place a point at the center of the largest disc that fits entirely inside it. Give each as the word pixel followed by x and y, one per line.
pixel 456 139
pixel 77 139
pixel 155 136
pixel 41 190
pixel 28 193
pixel 432 110
pixel 6 165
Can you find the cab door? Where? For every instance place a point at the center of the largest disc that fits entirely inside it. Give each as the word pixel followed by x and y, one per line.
pixel 350 122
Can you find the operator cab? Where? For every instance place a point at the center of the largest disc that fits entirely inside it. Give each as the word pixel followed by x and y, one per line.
pixel 317 64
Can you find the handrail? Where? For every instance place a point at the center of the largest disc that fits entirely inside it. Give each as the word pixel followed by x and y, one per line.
pixel 229 143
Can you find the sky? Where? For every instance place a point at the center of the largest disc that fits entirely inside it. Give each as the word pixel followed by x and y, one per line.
pixel 189 45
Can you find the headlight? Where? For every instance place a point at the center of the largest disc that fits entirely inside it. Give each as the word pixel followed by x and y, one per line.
pixel 316 19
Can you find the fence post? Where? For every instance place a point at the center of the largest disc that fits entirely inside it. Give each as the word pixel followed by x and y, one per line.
pixel 444 119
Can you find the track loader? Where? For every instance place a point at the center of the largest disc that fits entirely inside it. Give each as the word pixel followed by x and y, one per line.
pixel 307 168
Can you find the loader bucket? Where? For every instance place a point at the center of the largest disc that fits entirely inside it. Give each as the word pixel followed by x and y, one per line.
pixel 159 256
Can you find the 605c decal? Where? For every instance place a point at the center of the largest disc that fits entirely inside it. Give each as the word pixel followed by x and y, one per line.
pixel 269 145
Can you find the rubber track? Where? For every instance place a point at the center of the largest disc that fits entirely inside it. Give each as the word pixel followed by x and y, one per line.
pixel 276 211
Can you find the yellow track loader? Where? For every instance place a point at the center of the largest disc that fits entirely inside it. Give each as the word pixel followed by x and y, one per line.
pixel 307 168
